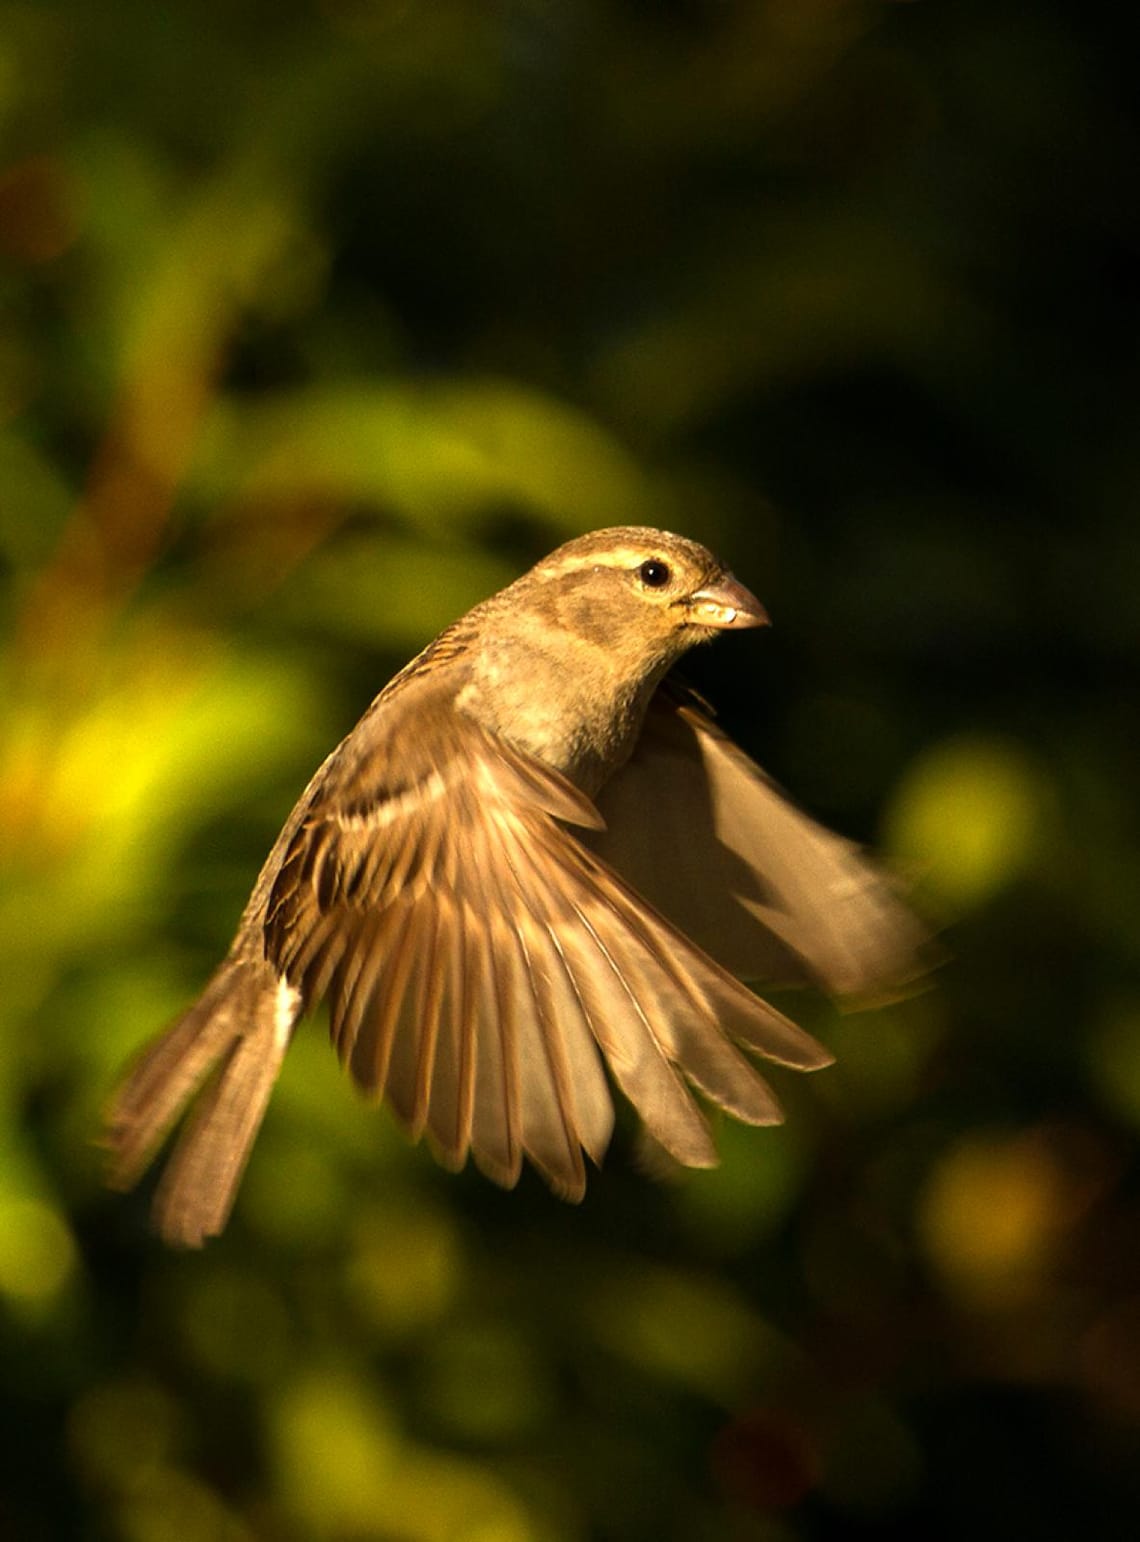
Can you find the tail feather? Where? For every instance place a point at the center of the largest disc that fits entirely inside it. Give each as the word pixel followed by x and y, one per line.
pixel 233 1039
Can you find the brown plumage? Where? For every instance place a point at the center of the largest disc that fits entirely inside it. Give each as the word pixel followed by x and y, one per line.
pixel 478 879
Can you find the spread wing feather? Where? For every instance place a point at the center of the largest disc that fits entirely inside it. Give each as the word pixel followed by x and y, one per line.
pixel 479 963
pixel 702 832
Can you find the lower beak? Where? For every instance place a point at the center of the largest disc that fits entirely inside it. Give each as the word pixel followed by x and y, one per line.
pixel 725 604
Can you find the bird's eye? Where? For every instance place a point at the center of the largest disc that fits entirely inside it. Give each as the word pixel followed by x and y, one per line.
pixel 654 574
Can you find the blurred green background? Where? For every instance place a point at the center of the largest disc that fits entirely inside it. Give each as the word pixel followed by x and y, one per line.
pixel 321 321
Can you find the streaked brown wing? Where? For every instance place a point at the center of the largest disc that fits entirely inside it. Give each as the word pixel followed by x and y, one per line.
pixel 713 842
pixel 475 957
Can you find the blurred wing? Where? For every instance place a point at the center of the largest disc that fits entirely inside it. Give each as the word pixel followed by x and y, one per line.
pixel 476 957
pixel 708 837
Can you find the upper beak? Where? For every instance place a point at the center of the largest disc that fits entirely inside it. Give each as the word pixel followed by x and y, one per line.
pixel 727 603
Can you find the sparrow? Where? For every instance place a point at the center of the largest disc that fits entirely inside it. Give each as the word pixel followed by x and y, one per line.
pixel 535 859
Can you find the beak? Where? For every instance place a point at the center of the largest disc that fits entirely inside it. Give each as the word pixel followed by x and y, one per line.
pixel 725 604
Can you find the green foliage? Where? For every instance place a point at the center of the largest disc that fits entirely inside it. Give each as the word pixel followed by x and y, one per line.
pixel 320 324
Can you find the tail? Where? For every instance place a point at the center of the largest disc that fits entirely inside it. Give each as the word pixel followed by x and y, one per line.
pixel 236 1035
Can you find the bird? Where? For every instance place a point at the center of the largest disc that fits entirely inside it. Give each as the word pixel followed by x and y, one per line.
pixel 536 870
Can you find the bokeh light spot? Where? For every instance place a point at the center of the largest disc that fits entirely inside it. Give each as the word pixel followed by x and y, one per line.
pixel 968 817
pixel 688 1328
pixel 37 1254
pixel 406 1267
pixel 994 1210
pixel 335 1449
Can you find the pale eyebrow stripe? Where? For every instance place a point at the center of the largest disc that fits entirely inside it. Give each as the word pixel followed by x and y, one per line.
pixel 622 556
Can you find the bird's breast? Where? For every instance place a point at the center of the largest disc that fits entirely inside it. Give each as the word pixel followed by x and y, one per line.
pixel 573 713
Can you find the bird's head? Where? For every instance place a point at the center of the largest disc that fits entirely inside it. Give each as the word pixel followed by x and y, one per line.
pixel 642 593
